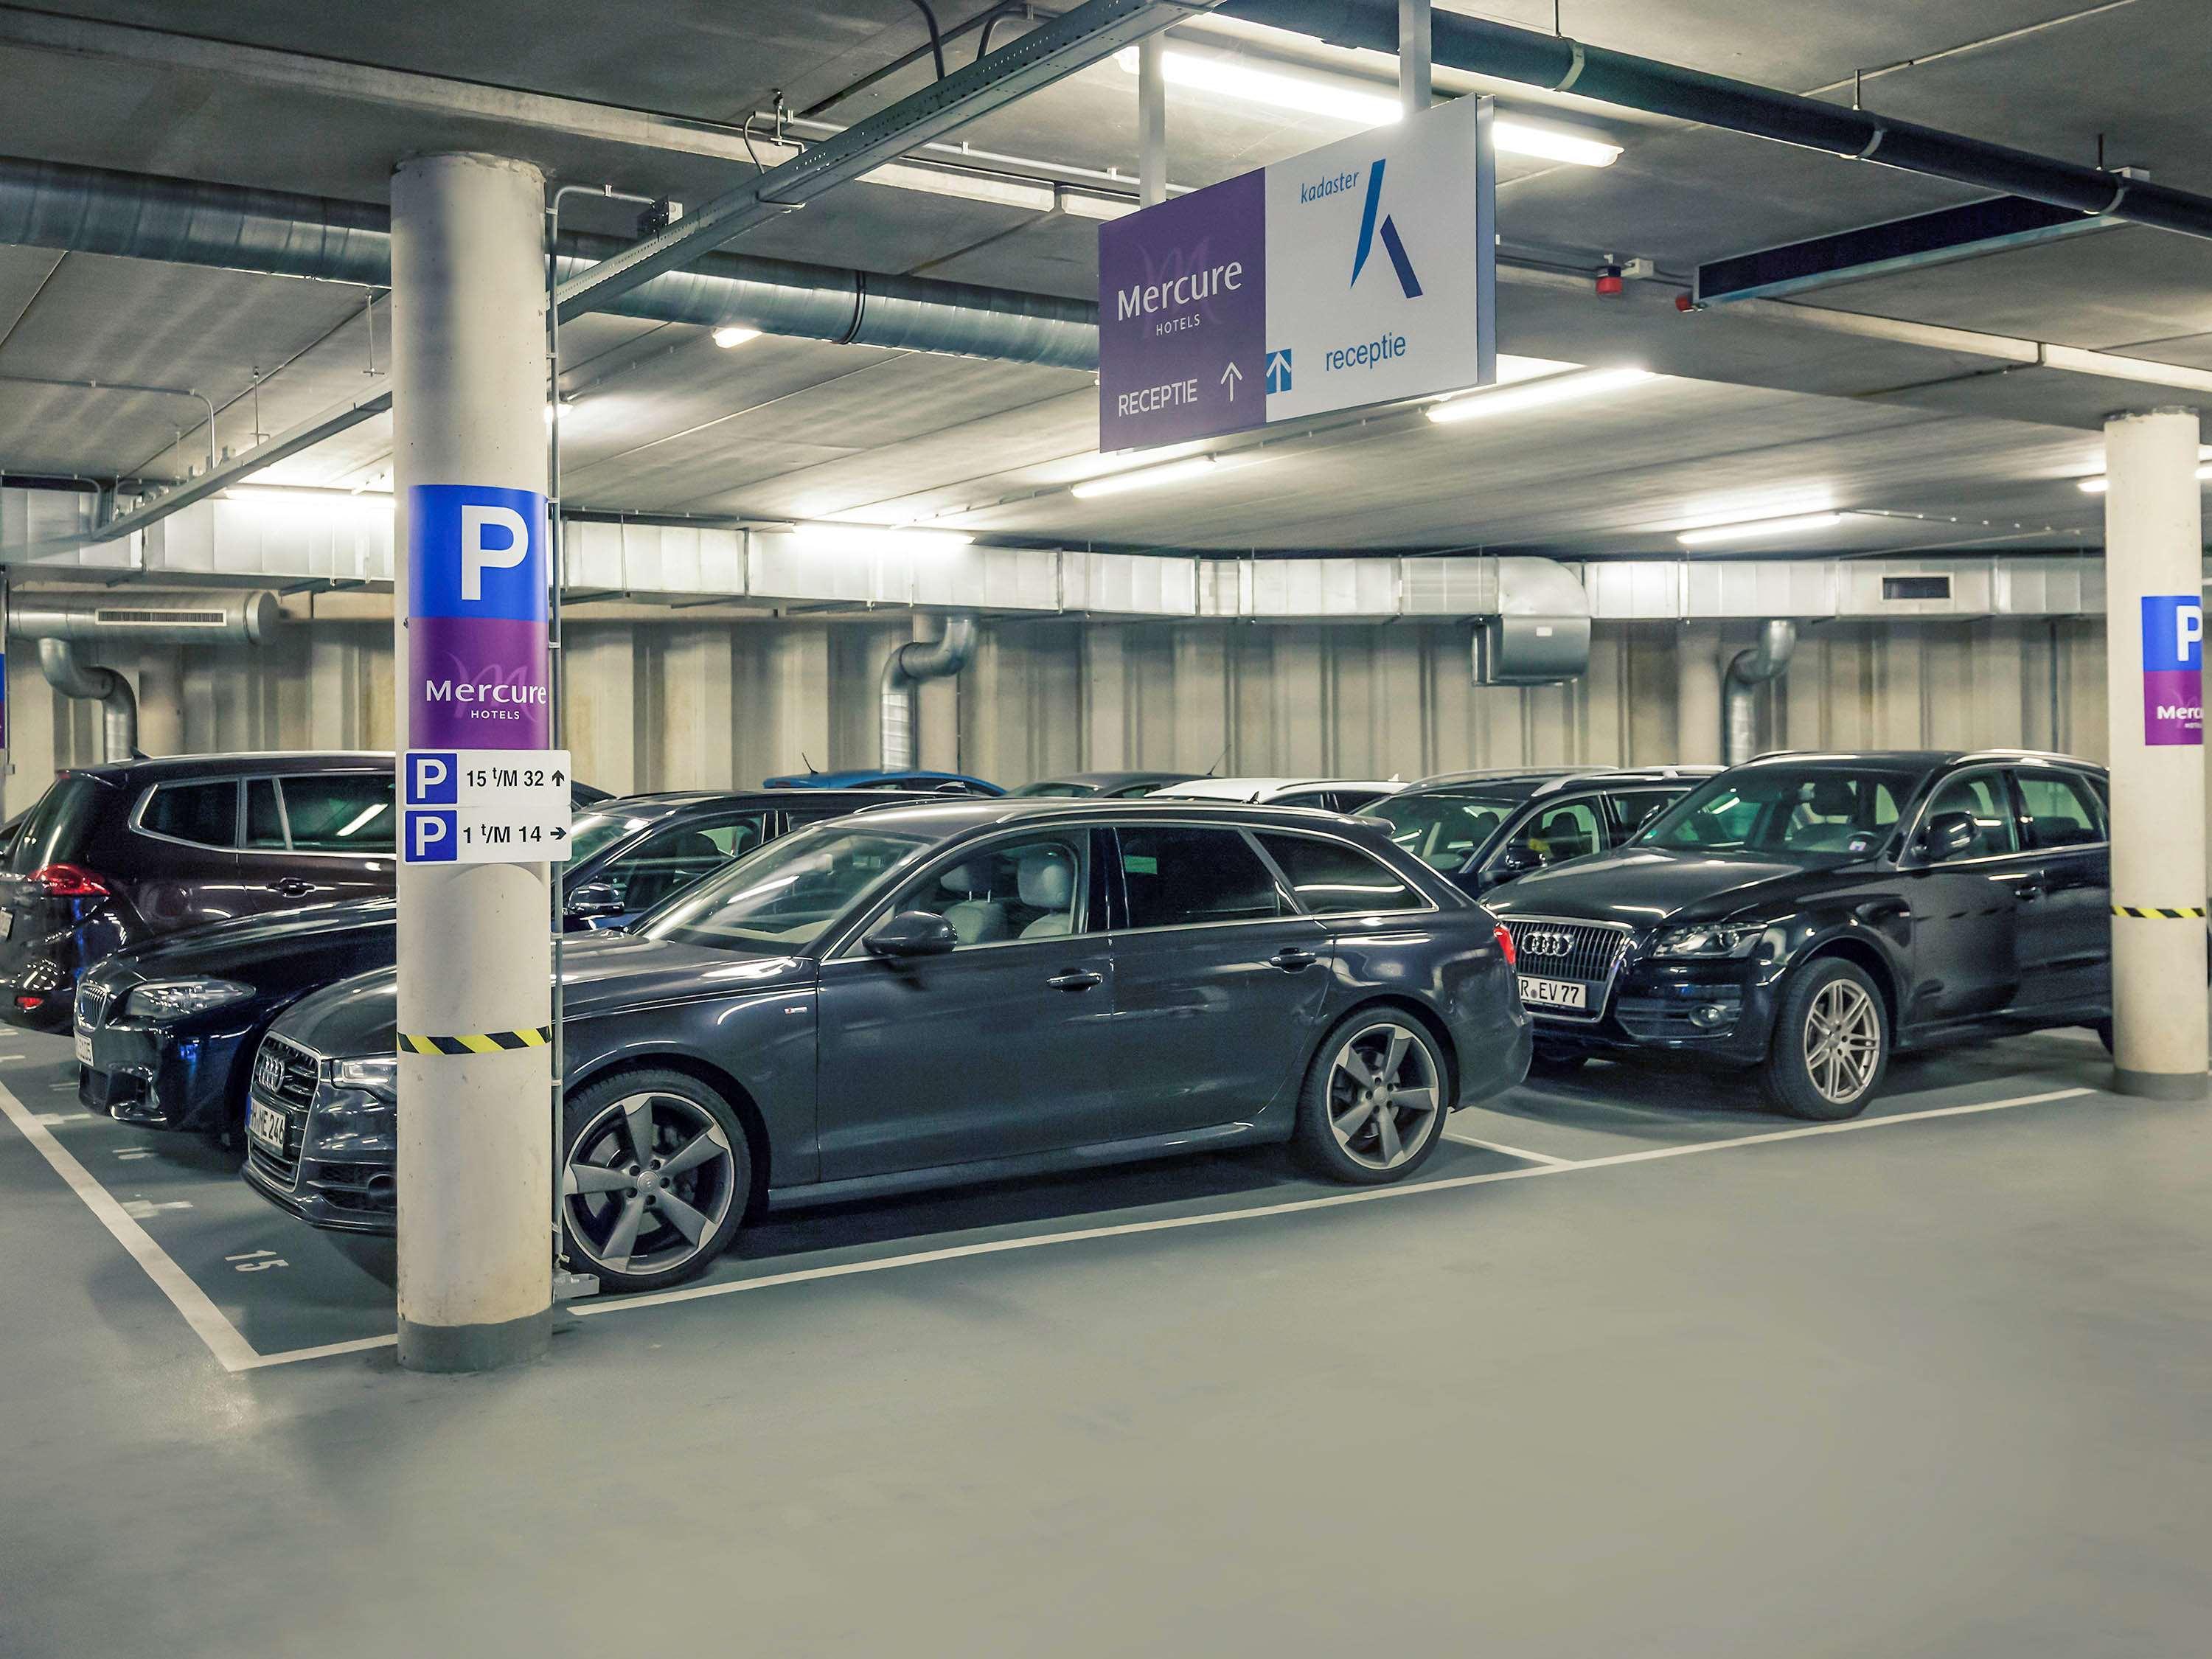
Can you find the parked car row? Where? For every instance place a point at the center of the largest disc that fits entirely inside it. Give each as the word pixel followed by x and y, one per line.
pixel 1110 966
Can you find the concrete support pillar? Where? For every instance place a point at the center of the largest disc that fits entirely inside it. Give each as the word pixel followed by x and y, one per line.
pixel 475 1145
pixel 161 700
pixel 1414 63
pixel 1697 695
pixel 1153 120
pixel 1106 745
pixel 2154 656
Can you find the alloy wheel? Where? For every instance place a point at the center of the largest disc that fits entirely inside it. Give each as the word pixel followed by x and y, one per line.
pixel 1383 1096
pixel 1843 1042
pixel 647 1181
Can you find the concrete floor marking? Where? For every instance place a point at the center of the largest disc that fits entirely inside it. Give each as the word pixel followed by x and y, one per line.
pixel 1509 1152
pixel 231 1350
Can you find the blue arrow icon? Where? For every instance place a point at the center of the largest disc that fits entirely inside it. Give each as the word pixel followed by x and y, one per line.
pixel 1279 370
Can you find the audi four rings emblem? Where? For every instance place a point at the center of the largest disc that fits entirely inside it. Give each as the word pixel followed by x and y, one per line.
pixel 270 1072
pixel 1545 942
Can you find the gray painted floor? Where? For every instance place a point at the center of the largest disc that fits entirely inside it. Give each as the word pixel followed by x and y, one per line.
pixel 1934 1387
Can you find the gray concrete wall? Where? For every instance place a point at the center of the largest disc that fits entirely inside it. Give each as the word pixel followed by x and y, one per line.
pixel 659 705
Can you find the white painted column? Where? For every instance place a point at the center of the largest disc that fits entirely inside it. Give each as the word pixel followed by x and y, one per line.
pixel 1697 695
pixel 2153 628
pixel 1153 120
pixel 1414 60
pixel 475 1147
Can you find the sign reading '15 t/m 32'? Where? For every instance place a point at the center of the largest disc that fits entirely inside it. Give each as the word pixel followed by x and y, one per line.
pixel 1361 273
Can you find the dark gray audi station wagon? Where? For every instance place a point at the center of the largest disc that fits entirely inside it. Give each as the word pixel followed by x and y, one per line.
pixel 947 992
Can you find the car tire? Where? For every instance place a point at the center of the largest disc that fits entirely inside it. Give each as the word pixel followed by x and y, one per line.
pixel 1375 1095
pixel 1555 1062
pixel 2103 1028
pixel 656 1176
pixel 1830 1043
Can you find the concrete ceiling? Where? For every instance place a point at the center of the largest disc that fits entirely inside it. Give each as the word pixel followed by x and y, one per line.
pixel 1758 413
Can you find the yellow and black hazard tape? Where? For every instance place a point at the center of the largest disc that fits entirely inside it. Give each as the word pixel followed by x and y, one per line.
pixel 2156 913
pixel 475 1043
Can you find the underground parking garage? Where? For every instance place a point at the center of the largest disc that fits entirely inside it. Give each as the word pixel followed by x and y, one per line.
pixel 1227 827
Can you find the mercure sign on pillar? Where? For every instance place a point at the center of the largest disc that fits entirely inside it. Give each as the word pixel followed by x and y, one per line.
pixel 1362 273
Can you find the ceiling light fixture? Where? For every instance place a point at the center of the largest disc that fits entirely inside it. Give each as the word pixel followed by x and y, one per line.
pixel 1149 477
pixel 1805 524
pixel 1335 99
pixel 731 335
pixel 1538 394
pixel 878 539
pixel 2099 484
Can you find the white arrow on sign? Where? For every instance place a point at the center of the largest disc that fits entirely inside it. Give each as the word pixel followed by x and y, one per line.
pixel 1230 376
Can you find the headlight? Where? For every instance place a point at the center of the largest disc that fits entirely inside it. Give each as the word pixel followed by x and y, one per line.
pixel 166 998
pixel 378 1075
pixel 1730 940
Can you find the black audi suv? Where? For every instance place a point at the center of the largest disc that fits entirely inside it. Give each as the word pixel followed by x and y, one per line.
pixel 949 993
pixel 164 1032
pixel 1808 915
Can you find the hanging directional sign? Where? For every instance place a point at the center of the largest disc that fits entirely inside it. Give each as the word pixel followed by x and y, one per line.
pixel 1362 273
pixel 485 807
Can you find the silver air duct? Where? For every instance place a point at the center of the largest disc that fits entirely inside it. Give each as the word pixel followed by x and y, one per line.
pixel 1746 671
pixel 905 668
pixel 61 622
pixel 135 216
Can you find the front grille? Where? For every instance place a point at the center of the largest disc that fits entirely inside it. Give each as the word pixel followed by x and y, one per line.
pixel 282 1170
pixel 1588 951
pixel 284 1072
pixel 364 1188
pixel 1667 1018
pixel 91 1005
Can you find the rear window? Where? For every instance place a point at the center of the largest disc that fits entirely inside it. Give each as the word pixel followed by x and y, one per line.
pixel 1332 879
pixel 205 814
pixel 59 828
pixel 1189 878
pixel 339 811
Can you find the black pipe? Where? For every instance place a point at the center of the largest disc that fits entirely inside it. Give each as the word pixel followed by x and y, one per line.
pixel 936 34
pixel 1558 64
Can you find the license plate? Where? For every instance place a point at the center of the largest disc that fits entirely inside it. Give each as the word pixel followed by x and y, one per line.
pixel 1555 992
pixel 7 923
pixel 84 1048
pixel 266 1125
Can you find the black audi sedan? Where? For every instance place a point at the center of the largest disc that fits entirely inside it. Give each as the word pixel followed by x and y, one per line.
pixel 1809 915
pixel 938 994
pixel 164 1032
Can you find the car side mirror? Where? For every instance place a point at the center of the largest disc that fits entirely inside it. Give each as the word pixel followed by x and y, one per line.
pixel 1515 861
pixel 912 933
pixel 594 898
pixel 1948 835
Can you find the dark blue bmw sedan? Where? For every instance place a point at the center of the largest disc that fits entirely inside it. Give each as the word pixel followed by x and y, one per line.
pixel 958 991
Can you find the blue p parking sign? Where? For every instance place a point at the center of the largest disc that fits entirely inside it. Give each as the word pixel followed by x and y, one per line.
pixel 432 837
pixel 433 779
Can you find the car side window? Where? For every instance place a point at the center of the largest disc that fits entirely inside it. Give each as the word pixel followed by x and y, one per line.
pixel 339 811
pixel 2061 811
pixel 205 814
pixel 1185 877
pixel 1331 879
pixel 1629 808
pixel 264 819
pixel 1981 796
pixel 1564 831
pixel 1035 887
pixel 669 860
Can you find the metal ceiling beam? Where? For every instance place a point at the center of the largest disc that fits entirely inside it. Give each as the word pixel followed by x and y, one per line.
pixel 1092 31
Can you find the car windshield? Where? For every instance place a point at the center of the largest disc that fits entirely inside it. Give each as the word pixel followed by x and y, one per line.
pixel 1808 814
pixel 1033 791
pixel 1444 829
pixel 589 831
pixel 782 897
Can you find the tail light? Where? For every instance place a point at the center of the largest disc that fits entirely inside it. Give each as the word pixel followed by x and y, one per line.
pixel 70 881
pixel 1505 944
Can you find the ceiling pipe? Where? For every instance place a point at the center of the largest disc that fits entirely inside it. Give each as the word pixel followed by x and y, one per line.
pixel 1746 671
pixel 904 670
pixel 278 232
pixel 58 661
pixel 1554 64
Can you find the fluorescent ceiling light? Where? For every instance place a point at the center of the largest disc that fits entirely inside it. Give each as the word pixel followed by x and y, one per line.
pixel 299 495
pixel 1538 394
pixel 1335 99
pixel 878 539
pixel 1095 207
pixel 1150 478
pixel 968 186
pixel 1759 529
pixel 2098 485
pixel 728 337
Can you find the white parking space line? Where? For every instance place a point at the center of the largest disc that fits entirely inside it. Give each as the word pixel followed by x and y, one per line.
pixel 231 1350
pixel 1500 1146
pixel 328 1350
pixel 1365 1195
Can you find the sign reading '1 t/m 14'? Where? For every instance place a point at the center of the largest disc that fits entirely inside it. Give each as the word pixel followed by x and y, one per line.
pixel 1362 273
pixel 485 805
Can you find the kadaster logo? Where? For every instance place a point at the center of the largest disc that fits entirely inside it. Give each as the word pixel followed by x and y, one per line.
pixel 1388 233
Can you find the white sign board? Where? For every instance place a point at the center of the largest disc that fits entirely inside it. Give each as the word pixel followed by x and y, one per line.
pixel 484 806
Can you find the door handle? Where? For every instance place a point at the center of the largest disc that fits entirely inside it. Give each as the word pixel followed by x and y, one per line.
pixel 1076 979
pixel 1290 958
pixel 291 887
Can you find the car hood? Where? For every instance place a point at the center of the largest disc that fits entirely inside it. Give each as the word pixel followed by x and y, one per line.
pixel 1643 885
pixel 599 974
pixel 247 948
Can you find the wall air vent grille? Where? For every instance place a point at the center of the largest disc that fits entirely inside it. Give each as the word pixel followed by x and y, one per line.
pixel 120 617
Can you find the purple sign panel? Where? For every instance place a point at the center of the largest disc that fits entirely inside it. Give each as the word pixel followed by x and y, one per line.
pixel 2173 669
pixel 1183 318
pixel 476 670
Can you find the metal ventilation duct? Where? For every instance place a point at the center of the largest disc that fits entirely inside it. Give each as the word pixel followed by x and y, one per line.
pixel 904 670
pixel 1746 671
